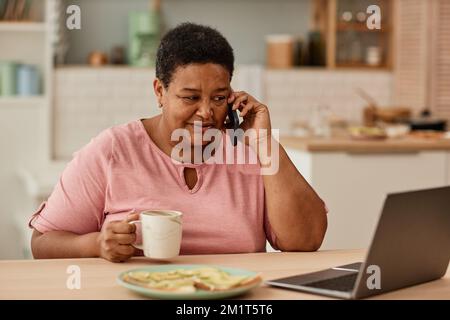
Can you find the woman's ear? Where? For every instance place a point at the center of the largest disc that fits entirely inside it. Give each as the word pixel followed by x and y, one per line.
pixel 158 87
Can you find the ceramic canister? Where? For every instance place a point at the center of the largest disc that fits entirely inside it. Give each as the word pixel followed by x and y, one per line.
pixel 27 80
pixel 8 78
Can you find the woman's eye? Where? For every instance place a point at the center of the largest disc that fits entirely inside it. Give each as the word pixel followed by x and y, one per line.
pixel 219 99
pixel 191 98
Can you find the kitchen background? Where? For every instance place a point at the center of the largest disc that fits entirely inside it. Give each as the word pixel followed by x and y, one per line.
pixel 350 102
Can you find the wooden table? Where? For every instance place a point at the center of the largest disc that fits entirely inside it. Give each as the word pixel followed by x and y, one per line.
pixel 46 279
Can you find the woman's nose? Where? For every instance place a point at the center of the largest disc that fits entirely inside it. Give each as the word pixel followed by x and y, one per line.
pixel 204 110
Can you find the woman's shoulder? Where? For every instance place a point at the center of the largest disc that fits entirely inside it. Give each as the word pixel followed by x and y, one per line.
pixel 113 139
pixel 118 132
pixel 125 139
pixel 126 131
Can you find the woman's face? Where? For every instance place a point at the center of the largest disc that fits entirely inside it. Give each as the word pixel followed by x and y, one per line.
pixel 197 92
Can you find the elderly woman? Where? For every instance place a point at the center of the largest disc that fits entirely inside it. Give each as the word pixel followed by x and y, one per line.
pixel 129 168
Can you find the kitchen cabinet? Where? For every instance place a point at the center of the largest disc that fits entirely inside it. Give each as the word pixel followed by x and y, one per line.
pixel 25 121
pixel 422 38
pixel 448 168
pixel 354 185
pixel 351 41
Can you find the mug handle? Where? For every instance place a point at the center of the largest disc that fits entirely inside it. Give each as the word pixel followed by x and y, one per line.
pixel 137 246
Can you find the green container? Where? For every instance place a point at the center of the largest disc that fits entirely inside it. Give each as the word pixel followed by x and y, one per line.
pixel 8 72
pixel 143 33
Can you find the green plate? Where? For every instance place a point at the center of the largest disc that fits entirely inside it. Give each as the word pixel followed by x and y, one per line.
pixel 199 294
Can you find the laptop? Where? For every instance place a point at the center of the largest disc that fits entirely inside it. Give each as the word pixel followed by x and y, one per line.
pixel 411 245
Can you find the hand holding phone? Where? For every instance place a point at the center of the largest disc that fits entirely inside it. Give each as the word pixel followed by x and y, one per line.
pixel 233 120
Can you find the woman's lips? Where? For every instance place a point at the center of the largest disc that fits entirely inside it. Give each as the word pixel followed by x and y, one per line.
pixel 203 127
pixel 199 129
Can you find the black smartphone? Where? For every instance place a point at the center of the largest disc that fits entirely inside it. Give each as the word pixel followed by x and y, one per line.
pixel 233 120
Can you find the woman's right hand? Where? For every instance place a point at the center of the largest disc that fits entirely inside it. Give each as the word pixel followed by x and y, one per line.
pixel 116 238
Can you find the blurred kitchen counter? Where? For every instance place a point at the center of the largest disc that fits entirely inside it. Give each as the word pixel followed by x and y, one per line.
pixel 353 177
pixel 348 144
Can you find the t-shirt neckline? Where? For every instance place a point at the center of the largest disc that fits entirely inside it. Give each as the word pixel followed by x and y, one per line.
pixel 165 156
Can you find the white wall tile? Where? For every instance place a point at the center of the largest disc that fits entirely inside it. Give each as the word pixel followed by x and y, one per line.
pixel 292 95
pixel 94 99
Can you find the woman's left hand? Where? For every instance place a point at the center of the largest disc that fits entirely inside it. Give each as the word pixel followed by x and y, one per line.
pixel 256 115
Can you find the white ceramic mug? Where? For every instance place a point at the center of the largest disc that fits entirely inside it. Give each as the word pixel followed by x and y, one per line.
pixel 161 233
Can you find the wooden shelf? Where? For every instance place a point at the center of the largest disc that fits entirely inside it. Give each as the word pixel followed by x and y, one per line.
pixel 103 67
pixel 23 26
pixel 22 101
pixel 358 27
pixel 326 21
pixel 361 66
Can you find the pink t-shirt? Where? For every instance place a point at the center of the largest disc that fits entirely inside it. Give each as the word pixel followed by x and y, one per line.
pixel 122 170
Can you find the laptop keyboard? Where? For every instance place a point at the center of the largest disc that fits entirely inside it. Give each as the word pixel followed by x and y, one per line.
pixel 342 283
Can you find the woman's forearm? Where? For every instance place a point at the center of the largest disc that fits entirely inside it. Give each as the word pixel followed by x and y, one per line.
pixel 296 213
pixel 63 244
